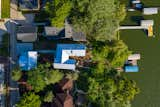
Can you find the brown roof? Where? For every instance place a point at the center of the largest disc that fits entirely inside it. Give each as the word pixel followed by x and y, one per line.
pixel 63 100
pixel 66 84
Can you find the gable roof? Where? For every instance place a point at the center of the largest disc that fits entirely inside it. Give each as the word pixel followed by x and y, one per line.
pixel 63 100
pixel 66 84
pixel 52 31
pixel 71 33
pixel 27 33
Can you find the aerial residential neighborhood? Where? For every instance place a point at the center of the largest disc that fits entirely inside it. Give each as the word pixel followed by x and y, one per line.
pixel 79 53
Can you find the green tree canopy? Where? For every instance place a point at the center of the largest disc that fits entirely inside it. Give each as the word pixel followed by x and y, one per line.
pixel 36 79
pixel 16 74
pixel 53 76
pixel 29 100
pixel 42 76
pixel 73 76
pixel 48 97
pixel 111 89
pixel 112 54
pixel 58 11
pixel 118 54
pixel 99 19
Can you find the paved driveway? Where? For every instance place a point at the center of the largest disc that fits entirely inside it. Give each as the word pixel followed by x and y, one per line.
pixel 14 94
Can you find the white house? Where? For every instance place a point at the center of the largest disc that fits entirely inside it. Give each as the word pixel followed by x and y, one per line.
pixel 64 51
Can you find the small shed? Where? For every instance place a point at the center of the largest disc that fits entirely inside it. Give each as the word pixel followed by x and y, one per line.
pixel 138 6
pixel 131 69
pixel 134 57
pixel 147 23
pixel 150 11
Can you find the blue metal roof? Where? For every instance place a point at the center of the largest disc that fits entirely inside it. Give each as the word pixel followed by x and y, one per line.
pixel 61 47
pixel 26 62
pixel 24 47
pixel 23 62
pixel 139 6
pixel 131 69
pixel 70 61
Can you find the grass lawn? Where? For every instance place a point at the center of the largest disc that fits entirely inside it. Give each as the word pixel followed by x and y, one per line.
pixel 148 79
pixel 5 6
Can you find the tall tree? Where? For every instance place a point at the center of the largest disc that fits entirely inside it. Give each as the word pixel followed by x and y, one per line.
pixel 29 100
pixel 111 90
pixel 48 97
pixel 16 74
pixel 113 54
pixel 97 18
pixel 42 76
pixel 73 76
pixel 58 11
pixel 36 79
pixel 118 54
pixel 53 76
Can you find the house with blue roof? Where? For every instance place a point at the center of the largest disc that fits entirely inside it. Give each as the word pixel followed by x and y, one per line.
pixel 28 60
pixel 64 51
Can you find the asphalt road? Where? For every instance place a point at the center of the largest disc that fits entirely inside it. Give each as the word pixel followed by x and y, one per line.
pixel 14 94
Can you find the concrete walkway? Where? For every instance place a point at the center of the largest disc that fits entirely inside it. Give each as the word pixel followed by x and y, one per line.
pixel 132 27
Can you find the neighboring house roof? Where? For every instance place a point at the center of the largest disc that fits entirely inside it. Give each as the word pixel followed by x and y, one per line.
pixel 66 84
pixel 64 51
pixel 24 47
pixel 71 33
pixel 65 33
pixel 52 31
pixel 63 100
pixel 28 60
pixel 29 4
pixel 79 36
pixel 27 33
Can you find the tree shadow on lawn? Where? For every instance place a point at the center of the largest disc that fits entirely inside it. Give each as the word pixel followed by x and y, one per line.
pixel 137 19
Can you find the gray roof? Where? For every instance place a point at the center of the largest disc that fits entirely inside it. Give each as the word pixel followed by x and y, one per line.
pixel 71 33
pixel 79 36
pixel 27 33
pixel 27 29
pixel 52 31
